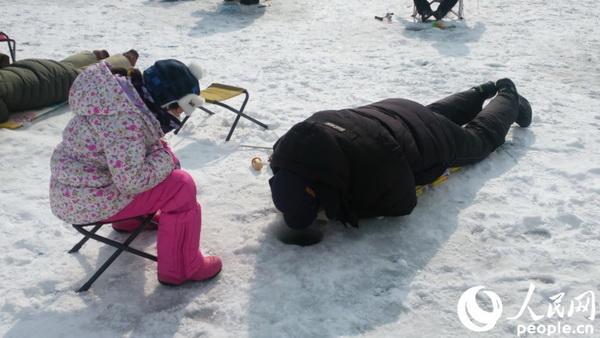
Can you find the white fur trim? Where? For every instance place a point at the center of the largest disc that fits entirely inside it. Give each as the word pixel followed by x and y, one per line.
pixel 196 70
pixel 190 102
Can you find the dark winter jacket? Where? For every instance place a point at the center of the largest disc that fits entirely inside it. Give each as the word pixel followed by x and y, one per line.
pixel 373 156
pixel 34 83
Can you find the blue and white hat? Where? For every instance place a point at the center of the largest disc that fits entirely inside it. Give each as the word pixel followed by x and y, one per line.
pixel 170 81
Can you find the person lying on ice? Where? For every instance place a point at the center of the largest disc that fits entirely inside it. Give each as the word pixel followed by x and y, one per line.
pixel 112 163
pixel 37 83
pixel 366 162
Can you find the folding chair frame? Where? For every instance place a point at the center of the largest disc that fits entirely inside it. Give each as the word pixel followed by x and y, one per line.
pixel 459 14
pixel 240 112
pixel 12 45
pixel 120 246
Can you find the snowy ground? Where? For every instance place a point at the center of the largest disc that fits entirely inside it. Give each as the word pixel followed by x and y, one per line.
pixel 526 216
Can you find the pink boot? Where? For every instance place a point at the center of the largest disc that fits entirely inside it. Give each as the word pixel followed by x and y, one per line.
pixel 210 268
pixel 178 242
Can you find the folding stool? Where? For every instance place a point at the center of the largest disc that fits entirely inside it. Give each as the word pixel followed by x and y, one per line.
pixel 215 94
pixel 12 45
pixel 124 246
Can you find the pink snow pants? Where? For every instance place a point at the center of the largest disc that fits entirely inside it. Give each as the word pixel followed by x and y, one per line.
pixel 178 238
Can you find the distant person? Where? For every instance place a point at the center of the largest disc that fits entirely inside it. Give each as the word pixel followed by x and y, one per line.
pixel 37 83
pixel 367 161
pixel 112 163
pixel 425 11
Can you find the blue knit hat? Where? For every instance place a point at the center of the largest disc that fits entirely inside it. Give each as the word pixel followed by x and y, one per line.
pixel 170 81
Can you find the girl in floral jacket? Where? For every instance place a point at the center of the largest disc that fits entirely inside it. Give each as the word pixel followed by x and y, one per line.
pixel 112 163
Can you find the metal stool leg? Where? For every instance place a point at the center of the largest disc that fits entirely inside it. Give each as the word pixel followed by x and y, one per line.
pixel 120 247
pixel 85 239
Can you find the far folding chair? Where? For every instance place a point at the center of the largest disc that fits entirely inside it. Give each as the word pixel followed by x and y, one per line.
pixel 215 94
pixel 459 14
pixel 124 246
pixel 12 45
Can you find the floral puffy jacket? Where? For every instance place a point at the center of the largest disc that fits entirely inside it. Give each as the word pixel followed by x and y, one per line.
pixel 111 150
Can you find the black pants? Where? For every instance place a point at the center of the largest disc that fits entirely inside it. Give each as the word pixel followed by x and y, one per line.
pixel 443 9
pixel 484 129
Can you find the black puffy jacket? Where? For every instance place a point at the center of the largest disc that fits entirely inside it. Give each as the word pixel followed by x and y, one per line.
pixel 372 156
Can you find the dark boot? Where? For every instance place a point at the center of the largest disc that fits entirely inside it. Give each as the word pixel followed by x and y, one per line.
pixel 101 54
pixel 506 86
pixel 131 55
pixel 525 114
pixel 487 90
